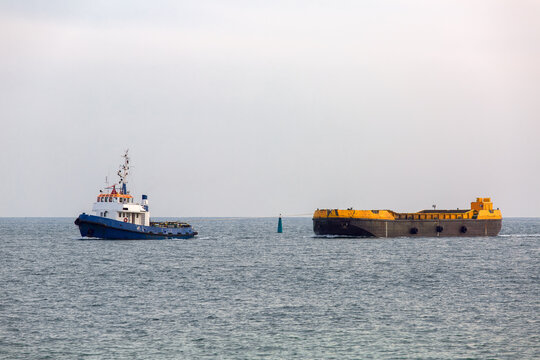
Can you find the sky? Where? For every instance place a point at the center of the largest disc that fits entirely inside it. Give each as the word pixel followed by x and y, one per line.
pixel 256 108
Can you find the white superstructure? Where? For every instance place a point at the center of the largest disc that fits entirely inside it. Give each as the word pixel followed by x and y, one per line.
pixel 119 205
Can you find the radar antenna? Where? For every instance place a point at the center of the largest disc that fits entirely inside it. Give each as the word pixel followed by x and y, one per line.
pixel 123 172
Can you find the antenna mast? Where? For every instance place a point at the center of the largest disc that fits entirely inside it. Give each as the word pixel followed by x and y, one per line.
pixel 123 173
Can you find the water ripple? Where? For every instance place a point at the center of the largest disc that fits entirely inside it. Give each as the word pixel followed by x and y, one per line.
pixel 240 291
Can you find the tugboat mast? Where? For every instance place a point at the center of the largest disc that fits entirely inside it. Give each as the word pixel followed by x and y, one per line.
pixel 123 173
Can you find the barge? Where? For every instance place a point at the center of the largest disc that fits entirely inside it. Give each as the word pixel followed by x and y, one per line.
pixel 480 220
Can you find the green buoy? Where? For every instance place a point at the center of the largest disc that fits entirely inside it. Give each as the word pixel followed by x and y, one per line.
pixel 279 225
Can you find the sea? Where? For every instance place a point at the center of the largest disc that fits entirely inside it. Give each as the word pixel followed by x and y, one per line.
pixel 240 290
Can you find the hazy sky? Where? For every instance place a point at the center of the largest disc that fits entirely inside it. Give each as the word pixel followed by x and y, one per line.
pixel 252 108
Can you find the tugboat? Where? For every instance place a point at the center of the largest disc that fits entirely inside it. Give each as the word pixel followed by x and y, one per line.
pixel 480 220
pixel 118 217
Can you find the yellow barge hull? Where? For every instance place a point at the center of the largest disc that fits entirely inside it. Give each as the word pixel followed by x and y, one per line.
pixel 480 220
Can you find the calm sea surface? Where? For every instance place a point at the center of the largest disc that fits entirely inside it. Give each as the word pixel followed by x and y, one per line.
pixel 242 291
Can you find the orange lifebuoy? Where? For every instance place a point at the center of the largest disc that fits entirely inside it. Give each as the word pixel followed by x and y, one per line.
pixel 125 219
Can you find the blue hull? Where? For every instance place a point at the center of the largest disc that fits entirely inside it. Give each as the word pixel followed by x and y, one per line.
pixel 103 228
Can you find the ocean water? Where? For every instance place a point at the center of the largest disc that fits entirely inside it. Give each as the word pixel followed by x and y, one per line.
pixel 241 291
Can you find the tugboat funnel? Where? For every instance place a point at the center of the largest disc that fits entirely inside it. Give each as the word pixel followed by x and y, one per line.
pixel 145 202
